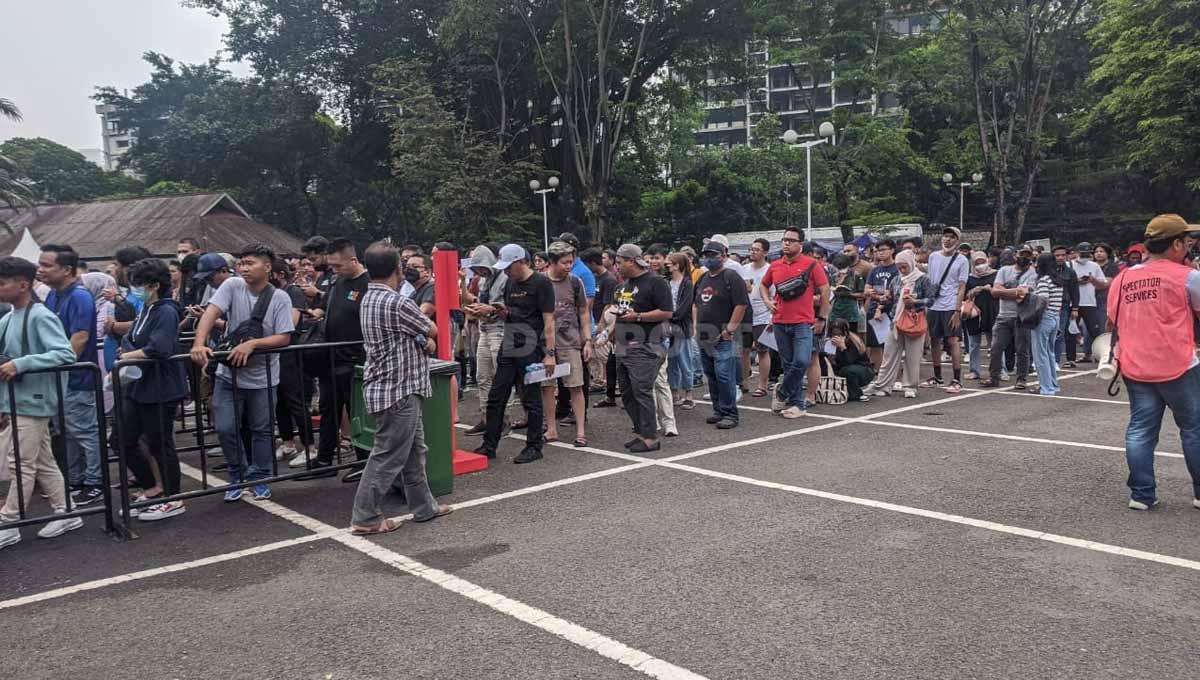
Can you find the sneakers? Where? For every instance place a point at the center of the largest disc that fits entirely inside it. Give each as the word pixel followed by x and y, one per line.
pixel 233 495
pixel 726 424
pixel 285 452
pixel 793 412
pixel 9 537
pixel 298 461
pixel 687 405
pixel 86 495
pixel 910 393
pixel 476 429
pixel 485 450
pixel 713 419
pixel 262 492
pixel 1020 386
pixel 1196 503
pixel 864 399
pixel 162 511
pixel 1138 505
pixel 878 393
pixel 954 387
pixel 59 527
pixel 989 384
pixel 777 404
pixel 934 382
pixel 897 386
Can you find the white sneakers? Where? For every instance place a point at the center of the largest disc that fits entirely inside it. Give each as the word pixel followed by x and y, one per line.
pixel 162 511
pixel 879 393
pixel 9 537
pixel 297 461
pixel 910 394
pixel 285 452
pixel 1138 505
pixel 777 404
pixel 792 413
pixel 59 527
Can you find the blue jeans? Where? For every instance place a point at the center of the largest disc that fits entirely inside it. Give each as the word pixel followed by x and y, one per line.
pixel 1043 338
pixel 1147 402
pixel 975 341
pixel 229 407
pixel 795 348
pixel 83 437
pixel 722 363
pixel 679 364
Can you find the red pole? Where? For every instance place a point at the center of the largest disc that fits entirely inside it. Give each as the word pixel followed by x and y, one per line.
pixel 446 298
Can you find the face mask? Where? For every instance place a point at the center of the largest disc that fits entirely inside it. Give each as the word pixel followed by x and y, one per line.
pixel 1023 262
pixel 711 263
pixel 981 269
pixel 137 292
pixel 412 275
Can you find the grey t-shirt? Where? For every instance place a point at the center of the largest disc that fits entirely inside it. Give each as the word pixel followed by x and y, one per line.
pixel 235 300
pixel 947 297
pixel 1010 278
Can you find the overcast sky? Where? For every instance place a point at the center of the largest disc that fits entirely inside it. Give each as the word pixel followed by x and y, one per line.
pixel 57 51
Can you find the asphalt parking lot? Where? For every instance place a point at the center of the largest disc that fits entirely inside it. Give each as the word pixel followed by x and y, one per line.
pixel 981 535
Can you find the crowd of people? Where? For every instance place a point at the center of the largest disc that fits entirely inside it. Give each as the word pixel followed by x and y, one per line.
pixel 651 326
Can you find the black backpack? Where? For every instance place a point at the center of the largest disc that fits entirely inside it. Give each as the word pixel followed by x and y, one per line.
pixel 252 328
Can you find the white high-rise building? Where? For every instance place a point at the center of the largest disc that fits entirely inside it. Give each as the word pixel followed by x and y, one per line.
pixel 116 138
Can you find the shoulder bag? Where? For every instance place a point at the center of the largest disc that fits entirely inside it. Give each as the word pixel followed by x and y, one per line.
pixel 794 287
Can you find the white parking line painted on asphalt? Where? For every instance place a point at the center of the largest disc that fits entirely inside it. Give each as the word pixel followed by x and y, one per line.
pixel 315 526
pixel 573 633
pixel 946 517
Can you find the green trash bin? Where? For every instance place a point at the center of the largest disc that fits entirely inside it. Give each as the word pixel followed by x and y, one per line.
pixel 439 464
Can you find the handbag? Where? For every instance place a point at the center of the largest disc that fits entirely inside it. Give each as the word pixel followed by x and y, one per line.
pixel 831 388
pixel 970 310
pixel 795 286
pixel 1031 310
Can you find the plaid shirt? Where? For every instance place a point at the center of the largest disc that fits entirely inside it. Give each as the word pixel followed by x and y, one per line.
pixel 394 338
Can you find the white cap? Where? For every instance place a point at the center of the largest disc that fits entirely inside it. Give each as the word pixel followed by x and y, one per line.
pixel 722 239
pixel 509 254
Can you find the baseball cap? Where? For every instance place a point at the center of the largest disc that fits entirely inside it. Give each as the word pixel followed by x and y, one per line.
pixel 1166 226
pixel 720 238
pixel 209 264
pixel 1084 247
pixel 953 230
pixel 509 254
pixel 1025 248
pixel 570 238
pixel 714 246
pixel 633 252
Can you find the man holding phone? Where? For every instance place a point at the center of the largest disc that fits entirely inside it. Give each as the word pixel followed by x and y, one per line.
pixel 1090 317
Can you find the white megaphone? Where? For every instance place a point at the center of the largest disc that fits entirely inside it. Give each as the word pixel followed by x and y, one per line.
pixel 1102 350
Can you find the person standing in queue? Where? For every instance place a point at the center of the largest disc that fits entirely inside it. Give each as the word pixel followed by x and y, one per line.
pixel 642 303
pixel 1151 313
pixel 529 338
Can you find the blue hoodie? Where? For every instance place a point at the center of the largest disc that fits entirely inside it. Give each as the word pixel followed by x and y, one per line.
pixel 36 395
pixel 156 331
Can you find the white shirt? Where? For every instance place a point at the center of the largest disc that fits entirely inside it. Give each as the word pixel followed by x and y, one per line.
pixel 762 315
pixel 1087 292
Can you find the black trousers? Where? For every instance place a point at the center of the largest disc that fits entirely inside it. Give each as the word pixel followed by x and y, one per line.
pixel 637 370
pixel 335 401
pixel 156 423
pixel 291 409
pixel 1091 321
pixel 610 376
pixel 510 373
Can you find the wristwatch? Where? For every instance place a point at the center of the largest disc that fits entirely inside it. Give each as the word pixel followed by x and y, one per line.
pixel 639 317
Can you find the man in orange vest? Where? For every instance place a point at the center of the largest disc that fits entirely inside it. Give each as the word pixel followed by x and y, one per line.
pixel 1152 313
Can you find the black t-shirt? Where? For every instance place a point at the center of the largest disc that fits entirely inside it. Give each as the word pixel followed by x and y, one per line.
pixel 606 285
pixel 646 293
pixel 298 302
pixel 524 326
pixel 342 318
pixel 715 297
pixel 424 294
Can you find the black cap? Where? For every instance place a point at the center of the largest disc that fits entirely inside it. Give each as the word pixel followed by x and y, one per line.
pixel 569 238
pixel 714 247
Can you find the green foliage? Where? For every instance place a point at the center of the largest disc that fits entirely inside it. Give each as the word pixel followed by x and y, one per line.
pixel 1147 67
pixel 171 188
pixel 56 174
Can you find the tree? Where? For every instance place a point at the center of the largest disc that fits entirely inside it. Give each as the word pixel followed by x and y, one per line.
pixel 1015 50
pixel 57 174
pixel 15 191
pixel 1147 65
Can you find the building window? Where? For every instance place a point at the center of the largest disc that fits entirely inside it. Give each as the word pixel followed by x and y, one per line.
pixel 122 143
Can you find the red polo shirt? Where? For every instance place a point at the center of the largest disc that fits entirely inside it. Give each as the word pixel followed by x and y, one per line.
pixel 799 310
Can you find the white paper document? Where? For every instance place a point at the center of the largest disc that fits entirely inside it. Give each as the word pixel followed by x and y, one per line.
pixel 536 373
pixel 767 339
pixel 882 328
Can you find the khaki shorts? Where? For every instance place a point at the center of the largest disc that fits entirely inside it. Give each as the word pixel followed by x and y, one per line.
pixel 573 357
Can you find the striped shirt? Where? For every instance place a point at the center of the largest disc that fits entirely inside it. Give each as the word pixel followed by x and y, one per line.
pixel 1047 288
pixel 394 339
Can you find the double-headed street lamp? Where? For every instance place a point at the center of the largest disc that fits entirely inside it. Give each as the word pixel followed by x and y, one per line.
pixel 791 137
pixel 962 187
pixel 536 187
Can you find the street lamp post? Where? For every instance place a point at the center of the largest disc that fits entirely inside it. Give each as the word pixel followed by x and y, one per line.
pixel 962 187
pixel 536 187
pixel 791 137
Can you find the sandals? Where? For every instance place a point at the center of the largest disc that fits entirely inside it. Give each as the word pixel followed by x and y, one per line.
pixel 581 442
pixel 387 526
pixel 759 393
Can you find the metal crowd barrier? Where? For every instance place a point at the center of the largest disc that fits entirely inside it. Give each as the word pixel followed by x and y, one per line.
pixel 200 428
pixel 18 484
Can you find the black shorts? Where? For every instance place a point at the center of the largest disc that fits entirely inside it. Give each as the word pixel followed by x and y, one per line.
pixel 939 324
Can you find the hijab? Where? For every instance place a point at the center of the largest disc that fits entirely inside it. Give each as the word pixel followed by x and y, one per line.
pixel 984 269
pixel 914 274
pixel 96 283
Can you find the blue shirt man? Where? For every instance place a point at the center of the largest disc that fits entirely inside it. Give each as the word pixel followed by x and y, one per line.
pixel 76 310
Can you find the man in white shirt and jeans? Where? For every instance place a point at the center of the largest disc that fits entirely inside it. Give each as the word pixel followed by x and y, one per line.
pixel 948 271
pixel 753 272
pixel 1090 317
